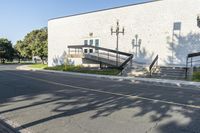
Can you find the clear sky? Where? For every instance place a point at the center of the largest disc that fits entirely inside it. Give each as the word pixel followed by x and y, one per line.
pixel 18 17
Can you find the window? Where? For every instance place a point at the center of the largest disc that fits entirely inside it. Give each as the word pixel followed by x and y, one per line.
pixel 91 42
pixel 97 42
pixel 85 42
pixel 85 51
pixel 91 50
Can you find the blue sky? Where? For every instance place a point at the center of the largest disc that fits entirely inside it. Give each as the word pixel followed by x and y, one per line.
pixel 18 17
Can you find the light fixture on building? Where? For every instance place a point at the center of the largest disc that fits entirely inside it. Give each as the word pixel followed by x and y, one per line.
pixel 91 34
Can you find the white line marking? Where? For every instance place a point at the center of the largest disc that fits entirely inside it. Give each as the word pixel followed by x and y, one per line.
pixel 105 92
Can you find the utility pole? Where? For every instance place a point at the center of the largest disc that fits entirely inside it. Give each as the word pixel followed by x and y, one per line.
pixel 117 32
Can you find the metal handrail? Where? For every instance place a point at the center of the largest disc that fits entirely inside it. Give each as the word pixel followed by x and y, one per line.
pixel 191 55
pixel 130 56
pixel 153 64
pixel 98 48
pixel 125 62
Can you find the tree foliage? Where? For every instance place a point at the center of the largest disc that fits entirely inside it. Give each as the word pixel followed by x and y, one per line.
pixel 34 44
pixel 6 50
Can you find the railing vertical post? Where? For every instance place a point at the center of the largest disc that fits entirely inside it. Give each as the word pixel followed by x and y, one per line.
pixel 131 62
pixel 119 59
pixel 186 71
pixel 150 73
pixel 98 54
pixel 155 62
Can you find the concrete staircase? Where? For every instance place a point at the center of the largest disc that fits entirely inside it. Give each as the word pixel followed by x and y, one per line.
pixel 162 72
pixel 169 73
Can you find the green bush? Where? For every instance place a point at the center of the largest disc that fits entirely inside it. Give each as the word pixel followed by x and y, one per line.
pixel 81 69
pixel 196 76
pixel 64 68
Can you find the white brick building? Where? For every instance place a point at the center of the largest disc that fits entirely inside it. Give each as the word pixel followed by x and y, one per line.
pixel 167 28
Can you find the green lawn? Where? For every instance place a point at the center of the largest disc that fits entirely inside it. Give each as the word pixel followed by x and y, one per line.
pixel 81 69
pixel 38 66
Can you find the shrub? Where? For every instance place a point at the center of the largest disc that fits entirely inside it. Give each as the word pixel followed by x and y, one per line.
pixel 81 69
pixel 196 76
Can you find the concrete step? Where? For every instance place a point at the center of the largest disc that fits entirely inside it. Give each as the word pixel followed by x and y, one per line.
pixel 168 77
pixel 171 69
pixel 170 73
pixel 161 72
pixel 173 73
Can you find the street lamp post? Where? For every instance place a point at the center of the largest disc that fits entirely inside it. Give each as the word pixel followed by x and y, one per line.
pixel 117 32
pixel 136 43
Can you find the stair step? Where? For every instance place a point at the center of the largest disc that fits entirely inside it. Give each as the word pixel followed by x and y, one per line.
pixel 171 72
pixel 168 77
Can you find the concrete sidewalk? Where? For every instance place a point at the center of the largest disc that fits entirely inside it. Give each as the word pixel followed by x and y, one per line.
pixel 161 82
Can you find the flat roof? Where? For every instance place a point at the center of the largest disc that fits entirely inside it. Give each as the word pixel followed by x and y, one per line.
pixel 147 2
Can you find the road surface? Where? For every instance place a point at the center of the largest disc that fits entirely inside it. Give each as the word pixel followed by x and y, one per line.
pixel 42 102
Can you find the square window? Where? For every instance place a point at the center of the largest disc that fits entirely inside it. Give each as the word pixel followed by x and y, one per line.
pixel 97 42
pixel 85 51
pixel 85 42
pixel 91 50
pixel 91 42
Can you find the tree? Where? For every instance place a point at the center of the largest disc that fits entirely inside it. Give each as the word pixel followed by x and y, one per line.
pixel 39 45
pixel 34 44
pixel 7 51
pixel 19 51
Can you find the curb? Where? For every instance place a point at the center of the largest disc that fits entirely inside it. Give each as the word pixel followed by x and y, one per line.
pixel 161 82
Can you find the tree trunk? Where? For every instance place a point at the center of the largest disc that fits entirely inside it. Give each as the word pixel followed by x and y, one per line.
pixel 19 60
pixel 42 60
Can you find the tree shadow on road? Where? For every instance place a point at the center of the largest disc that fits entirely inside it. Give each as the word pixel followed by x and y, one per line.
pixel 167 107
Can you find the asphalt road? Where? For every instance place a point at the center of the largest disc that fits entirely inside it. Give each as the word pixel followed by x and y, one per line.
pixel 41 102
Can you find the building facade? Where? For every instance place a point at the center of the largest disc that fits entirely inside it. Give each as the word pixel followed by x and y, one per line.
pixel 167 28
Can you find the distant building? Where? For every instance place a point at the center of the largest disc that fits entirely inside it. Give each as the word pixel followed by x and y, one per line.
pixel 167 28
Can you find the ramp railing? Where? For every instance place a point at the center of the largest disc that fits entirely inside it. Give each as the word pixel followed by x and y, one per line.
pixel 114 58
pixel 191 61
pixel 153 65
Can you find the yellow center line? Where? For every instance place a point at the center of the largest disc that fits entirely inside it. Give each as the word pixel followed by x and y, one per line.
pixel 105 92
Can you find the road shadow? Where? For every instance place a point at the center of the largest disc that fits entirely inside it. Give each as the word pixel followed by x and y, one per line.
pixel 162 104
